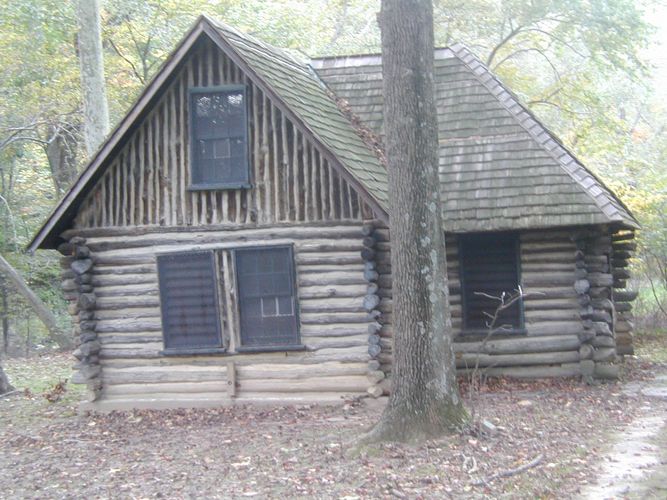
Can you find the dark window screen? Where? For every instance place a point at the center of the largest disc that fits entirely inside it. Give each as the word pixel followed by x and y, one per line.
pixel 489 264
pixel 188 298
pixel 266 291
pixel 219 137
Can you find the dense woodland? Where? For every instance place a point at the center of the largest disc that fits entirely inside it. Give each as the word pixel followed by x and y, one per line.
pixel 581 66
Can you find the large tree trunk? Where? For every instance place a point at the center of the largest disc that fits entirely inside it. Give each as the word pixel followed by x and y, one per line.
pixel 424 399
pixel 43 312
pixel 5 386
pixel 95 109
pixel 61 152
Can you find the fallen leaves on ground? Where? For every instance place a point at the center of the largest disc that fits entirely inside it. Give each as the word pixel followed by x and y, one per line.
pixel 302 451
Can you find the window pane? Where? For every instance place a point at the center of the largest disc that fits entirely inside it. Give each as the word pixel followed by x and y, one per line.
pixel 219 128
pixel 489 268
pixel 266 276
pixel 188 299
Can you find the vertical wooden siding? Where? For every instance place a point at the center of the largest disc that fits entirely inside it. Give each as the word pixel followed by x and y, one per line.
pixel 147 183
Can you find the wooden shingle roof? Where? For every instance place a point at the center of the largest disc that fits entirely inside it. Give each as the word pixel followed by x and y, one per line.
pixel 500 168
pixel 300 88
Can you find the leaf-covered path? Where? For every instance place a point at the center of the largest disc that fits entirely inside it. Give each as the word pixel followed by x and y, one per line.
pixel 48 451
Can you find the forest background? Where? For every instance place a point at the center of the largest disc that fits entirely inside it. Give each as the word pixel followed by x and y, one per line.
pixel 594 71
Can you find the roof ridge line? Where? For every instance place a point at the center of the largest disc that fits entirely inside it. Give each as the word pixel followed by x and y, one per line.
pixel 467 57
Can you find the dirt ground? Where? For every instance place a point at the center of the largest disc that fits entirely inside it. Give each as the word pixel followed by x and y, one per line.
pixel 563 427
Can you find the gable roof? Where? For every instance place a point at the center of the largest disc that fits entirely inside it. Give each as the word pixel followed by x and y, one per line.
pixel 297 91
pixel 500 167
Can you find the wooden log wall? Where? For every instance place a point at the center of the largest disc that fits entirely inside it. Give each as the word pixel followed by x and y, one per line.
pixel 551 310
pixel 147 183
pixel 334 317
pixel 594 287
pixel 77 284
pixel 623 245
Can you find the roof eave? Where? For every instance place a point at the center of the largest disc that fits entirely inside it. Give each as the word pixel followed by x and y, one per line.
pixel 47 237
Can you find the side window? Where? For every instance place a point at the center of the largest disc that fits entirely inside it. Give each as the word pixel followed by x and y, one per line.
pixel 267 299
pixel 219 138
pixel 489 266
pixel 189 302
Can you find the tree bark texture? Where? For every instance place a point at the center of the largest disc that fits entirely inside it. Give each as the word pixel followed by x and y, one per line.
pixel 424 399
pixel 61 151
pixel 42 311
pixel 95 109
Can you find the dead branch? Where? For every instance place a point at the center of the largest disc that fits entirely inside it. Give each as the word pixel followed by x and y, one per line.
pixel 510 472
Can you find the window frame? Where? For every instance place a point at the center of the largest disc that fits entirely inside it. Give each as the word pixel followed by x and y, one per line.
pixel 482 332
pixel 235 343
pixel 295 297
pixel 194 157
pixel 221 347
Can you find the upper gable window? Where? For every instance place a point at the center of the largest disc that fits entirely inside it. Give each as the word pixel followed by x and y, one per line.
pixel 219 137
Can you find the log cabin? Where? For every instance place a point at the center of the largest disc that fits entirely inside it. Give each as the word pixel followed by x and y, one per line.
pixel 230 240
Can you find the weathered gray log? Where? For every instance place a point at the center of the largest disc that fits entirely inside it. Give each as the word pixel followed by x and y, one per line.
pixel 625 296
pixel 604 354
pixel 367 253
pixel 375 376
pixel 625 350
pixel 371 302
pixel 586 336
pixel 600 279
pixel 69 285
pixel 623 306
pixel 86 301
pixel 66 249
pixel 602 328
pixel 520 345
pixel 374 327
pixel 373 365
pixel 86 373
pixel 582 286
pixel 600 292
pixel 606 371
pixel 368 229
pixel 586 351
pixel 620 273
pixel 81 266
pixel 81 252
pixel 368 241
pixel 374 350
pixel 587 367
pixel 470 360
pixel 370 275
pixel 602 341
pixel 375 391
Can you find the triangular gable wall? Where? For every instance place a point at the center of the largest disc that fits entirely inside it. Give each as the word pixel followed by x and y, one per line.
pixel 346 170
pixel 147 182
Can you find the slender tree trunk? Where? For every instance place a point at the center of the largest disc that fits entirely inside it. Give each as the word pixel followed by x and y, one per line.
pixel 95 109
pixel 5 316
pixel 42 311
pixel 424 399
pixel 5 386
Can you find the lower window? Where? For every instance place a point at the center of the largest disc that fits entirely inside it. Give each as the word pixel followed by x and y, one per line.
pixel 192 314
pixel 490 268
pixel 266 295
pixel 189 301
